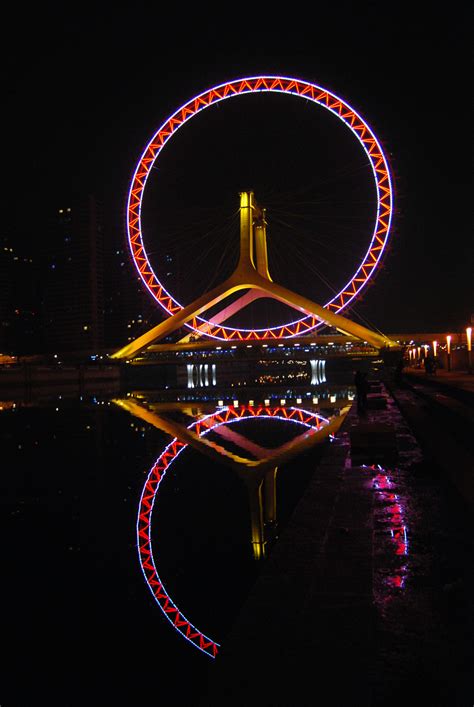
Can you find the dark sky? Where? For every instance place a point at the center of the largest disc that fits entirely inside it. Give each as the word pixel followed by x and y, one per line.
pixel 84 90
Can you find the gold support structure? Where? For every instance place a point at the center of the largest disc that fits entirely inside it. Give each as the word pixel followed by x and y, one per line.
pixel 251 274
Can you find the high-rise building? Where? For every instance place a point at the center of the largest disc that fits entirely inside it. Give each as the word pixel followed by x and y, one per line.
pixel 72 278
pixel 128 309
pixel 19 312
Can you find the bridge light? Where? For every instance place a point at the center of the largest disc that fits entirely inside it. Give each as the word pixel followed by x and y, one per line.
pixel 469 349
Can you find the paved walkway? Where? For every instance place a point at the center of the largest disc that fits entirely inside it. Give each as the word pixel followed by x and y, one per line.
pixel 449 379
pixel 440 411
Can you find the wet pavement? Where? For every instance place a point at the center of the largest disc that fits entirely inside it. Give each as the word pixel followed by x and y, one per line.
pixel 366 598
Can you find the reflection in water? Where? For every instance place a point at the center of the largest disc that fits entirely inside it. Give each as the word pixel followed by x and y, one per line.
pixel 391 516
pixel 318 371
pixel 198 375
pixel 259 475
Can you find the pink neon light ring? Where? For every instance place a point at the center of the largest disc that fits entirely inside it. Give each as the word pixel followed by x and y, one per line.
pixel 275 84
pixel 157 473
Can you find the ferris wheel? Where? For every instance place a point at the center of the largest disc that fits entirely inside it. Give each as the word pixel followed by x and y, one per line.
pixel 309 316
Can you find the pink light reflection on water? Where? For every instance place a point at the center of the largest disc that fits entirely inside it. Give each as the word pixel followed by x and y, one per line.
pixel 395 518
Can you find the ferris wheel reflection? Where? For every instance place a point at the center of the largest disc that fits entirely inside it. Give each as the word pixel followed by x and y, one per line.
pixel 256 466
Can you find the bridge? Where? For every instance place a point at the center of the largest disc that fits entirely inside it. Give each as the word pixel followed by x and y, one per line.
pixel 252 276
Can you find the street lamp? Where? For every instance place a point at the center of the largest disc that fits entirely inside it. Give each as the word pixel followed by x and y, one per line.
pixel 469 348
pixel 448 342
pixel 435 348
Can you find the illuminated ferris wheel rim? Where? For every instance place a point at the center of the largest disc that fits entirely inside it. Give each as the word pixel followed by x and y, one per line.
pixel 261 84
pixel 157 473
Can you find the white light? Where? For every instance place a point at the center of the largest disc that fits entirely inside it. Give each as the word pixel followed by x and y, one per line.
pixel 332 398
pixel 267 402
pixel 220 403
pixel 315 400
pixel 236 403
pixel 283 401
pixel 251 403
pixel 298 400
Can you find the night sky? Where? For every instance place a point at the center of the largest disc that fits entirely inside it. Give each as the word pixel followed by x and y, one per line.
pixel 85 89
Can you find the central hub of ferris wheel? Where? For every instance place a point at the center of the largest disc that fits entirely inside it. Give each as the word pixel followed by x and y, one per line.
pixel 252 273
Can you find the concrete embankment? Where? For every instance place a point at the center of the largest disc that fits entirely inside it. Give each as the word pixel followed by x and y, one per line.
pixel 18 379
pixel 353 606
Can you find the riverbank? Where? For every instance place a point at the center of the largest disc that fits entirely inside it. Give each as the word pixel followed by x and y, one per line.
pixel 366 598
pixel 20 381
